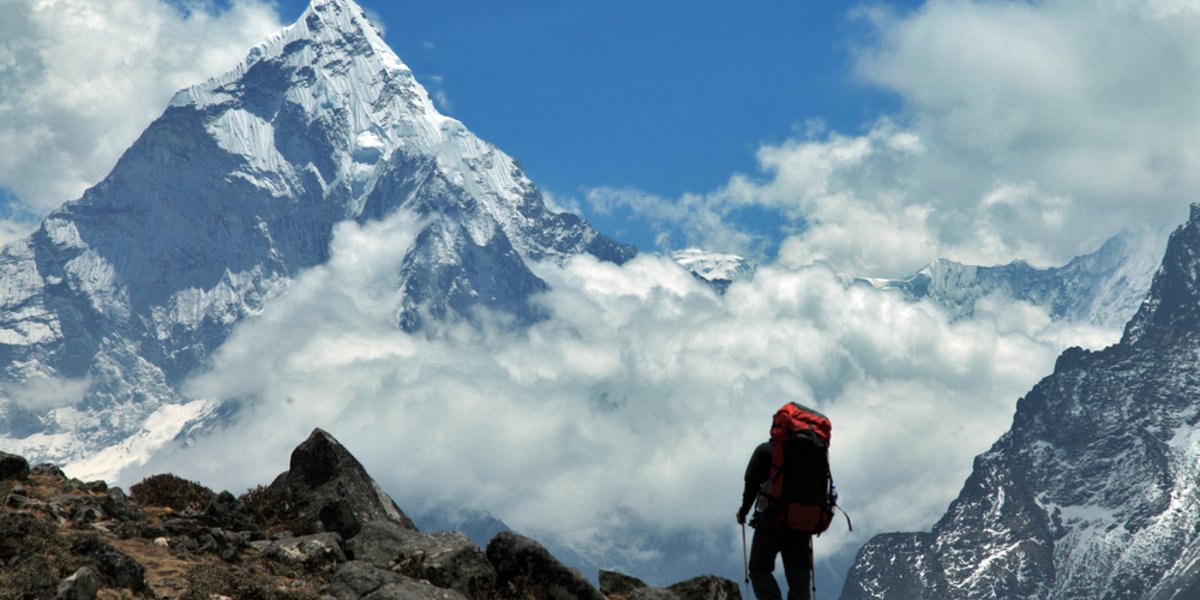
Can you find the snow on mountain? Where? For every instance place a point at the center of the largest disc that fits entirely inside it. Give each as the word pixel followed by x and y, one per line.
pixel 1092 493
pixel 221 202
pixel 717 269
pixel 1103 288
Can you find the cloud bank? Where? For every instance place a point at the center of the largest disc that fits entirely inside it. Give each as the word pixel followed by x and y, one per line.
pixel 80 80
pixel 1030 130
pixel 634 406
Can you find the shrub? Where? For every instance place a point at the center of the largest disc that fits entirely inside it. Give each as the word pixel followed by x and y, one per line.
pixel 172 492
pixel 273 509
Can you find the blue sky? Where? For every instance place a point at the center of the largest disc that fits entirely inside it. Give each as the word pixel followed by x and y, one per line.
pixel 876 136
pixel 669 97
pixel 665 97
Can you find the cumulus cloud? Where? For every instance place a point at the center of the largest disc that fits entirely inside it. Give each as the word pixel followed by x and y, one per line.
pixel 634 407
pixel 80 80
pixel 1030 130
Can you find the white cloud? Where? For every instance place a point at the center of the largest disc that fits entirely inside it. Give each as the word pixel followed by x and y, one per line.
pixel 40 393
pixel 80 80
pixel 1030 130
pixel 637 404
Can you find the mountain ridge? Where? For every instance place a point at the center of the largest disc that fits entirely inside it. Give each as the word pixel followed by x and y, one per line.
pixel 1091 493
pixel 322 529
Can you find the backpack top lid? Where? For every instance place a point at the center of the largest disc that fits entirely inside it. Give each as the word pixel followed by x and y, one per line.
pixel 793 417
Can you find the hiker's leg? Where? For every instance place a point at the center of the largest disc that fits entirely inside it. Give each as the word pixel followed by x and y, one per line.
pixel 763 550
pixel 797 565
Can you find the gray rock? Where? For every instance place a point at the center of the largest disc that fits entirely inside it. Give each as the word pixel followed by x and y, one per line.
pixel 81 585
pixel 15 501
pixel 317 551
pixel 652 594
pixel 525 569
pixel 359 580
pixel 48 470
pixel 707 587
pixel 446 559
pixel 78 509
pixel 332 491
pixel 411 589
pixel 13 467
pixel 116 505
pixel 115 568
pixel 613 583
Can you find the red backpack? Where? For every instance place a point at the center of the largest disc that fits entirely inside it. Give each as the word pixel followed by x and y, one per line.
pixel 799 495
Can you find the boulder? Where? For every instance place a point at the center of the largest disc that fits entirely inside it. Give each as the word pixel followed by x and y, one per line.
pixel 359 580
pixel 649 593
pixel 116 569
pixel 412 589
pixel 331 491
pixel 80 509
pixel 707 587
pixel 524 569
pixel 48 470
pixel 13 467
pixel 445 559
pixel 81 585
pixel 619 584
pixel 229 513
pixel 312 552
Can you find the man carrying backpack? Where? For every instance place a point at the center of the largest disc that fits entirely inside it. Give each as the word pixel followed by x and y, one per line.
pixel 789 476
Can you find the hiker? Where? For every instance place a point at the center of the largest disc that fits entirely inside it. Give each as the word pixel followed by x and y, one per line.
pixel 788 478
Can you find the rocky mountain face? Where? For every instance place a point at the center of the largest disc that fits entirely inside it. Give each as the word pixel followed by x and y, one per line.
pixel 323 529
pixel 1093 492
pixel 222 201
pixel 1104 288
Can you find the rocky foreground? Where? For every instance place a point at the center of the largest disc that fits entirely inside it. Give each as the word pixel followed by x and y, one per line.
pixel 322 530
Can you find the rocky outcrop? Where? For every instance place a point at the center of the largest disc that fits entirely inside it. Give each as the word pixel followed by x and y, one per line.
pixel 323 530
pixel 618 586
pixel 331 491
pixel 706 587
pixel 524 567
pixel 446 559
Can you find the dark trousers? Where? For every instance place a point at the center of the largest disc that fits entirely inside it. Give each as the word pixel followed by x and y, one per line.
pixel 797 563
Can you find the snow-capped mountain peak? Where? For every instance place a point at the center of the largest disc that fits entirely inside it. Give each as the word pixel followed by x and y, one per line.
pixel 121 295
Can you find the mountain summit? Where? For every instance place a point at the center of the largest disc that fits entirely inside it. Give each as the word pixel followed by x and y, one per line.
pixel 1092 493
pixel 222 201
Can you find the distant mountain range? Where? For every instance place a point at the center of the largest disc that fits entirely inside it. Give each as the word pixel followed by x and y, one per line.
pixel 1104 288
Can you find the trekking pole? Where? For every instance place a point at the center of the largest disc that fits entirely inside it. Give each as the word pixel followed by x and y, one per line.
pixel 745 563
pixel 812 569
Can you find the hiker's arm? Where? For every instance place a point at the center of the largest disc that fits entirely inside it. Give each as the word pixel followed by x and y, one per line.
pixel 757 472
